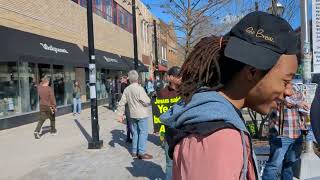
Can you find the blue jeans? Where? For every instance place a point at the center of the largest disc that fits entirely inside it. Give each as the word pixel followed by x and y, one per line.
pixel 168 162
pixel 139 127
pixel 76 105
pixel 284 152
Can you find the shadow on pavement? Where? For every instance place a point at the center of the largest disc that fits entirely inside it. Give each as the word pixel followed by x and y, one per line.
pixel 45 130
pixel 83 131
pixel 148 169
pixel 119 137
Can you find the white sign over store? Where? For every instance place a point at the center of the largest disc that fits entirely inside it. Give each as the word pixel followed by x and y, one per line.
pixel 52 48
pixel 316 35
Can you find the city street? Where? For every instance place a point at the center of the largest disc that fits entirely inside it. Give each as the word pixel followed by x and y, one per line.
pixel 66 156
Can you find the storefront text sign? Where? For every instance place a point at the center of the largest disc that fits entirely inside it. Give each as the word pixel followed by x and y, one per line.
pixel 52 48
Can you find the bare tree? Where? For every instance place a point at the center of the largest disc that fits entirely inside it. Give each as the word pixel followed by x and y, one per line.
pixel 188 15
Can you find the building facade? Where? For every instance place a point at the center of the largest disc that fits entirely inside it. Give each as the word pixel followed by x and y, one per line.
pixel 47 37
pixel 168 46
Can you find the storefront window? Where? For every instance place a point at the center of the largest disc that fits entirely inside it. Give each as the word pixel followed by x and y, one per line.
pixel 28 86
pixel 59 84
pixel 100 84
pixel 87 84
pixel 9 89
pixel 44 70
pixel 69 81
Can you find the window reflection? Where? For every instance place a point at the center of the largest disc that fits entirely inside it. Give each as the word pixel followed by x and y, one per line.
pixel 9 89
pixel 58 84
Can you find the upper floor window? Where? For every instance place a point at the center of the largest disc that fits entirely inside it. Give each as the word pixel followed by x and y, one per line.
pixel 97 6
pixel 111 11
pixel 83 3
pixel 124 18
pixel 107 9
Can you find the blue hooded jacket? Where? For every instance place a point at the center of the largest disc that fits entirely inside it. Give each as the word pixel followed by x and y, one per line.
pixel 207 106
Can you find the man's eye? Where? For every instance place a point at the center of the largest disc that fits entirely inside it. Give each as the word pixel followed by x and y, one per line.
pixel 287 82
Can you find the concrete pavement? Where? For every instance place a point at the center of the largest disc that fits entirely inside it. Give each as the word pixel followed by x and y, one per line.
pixel 66 156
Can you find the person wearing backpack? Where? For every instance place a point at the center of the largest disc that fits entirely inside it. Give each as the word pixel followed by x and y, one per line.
pixel 252 66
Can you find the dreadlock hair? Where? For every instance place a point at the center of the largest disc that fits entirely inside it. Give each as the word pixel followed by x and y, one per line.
pixel 206 66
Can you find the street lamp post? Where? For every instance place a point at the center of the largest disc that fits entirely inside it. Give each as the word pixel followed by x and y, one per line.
pixel 305 42
pixel 155 49
pixel 276 8
pixel 95 143
pixel 134 31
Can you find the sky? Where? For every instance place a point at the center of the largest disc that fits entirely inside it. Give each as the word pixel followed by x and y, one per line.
pixel 157 11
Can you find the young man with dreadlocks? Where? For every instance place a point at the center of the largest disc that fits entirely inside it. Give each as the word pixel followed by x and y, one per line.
pixel 251 67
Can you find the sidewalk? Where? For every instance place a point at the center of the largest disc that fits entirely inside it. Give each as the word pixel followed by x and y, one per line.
pixel 66 156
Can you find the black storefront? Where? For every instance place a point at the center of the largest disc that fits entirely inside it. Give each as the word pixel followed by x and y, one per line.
pixel 24 59
pixel 111 66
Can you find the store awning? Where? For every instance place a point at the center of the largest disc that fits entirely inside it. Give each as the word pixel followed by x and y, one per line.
pixel 16 45
pixel 107 60
pixel 141 66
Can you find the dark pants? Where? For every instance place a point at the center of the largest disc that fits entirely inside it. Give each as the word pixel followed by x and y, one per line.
pixel 46 113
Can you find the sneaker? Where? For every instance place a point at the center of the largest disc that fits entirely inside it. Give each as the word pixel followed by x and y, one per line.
pixel 53 132
pixel 145 156
pixel 37 135
pixel 74 114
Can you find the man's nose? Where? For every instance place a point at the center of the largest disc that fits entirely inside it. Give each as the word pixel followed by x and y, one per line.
pixel 288 91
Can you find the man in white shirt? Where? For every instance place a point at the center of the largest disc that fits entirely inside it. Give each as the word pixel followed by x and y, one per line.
pixel 138 103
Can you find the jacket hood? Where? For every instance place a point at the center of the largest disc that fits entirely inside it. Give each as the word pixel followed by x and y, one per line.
pixel 203 107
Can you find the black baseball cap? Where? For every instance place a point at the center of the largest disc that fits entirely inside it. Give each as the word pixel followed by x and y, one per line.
pixel 259 39
pixel 173 71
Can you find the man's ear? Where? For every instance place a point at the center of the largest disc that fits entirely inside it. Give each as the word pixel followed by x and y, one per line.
pixel 252 73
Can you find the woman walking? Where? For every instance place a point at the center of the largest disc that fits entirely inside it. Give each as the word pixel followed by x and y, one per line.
pixel 76 98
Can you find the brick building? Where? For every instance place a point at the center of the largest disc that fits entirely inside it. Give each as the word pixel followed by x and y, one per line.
pixel 168 47
pixel 49 37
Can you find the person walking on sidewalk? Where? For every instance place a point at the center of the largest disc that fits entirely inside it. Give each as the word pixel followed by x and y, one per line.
pixel 150 87
pixel 47 106
pixel 285 137
pixel 252 66
pixel 76 98
pixel 138 103
pixel 124 85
